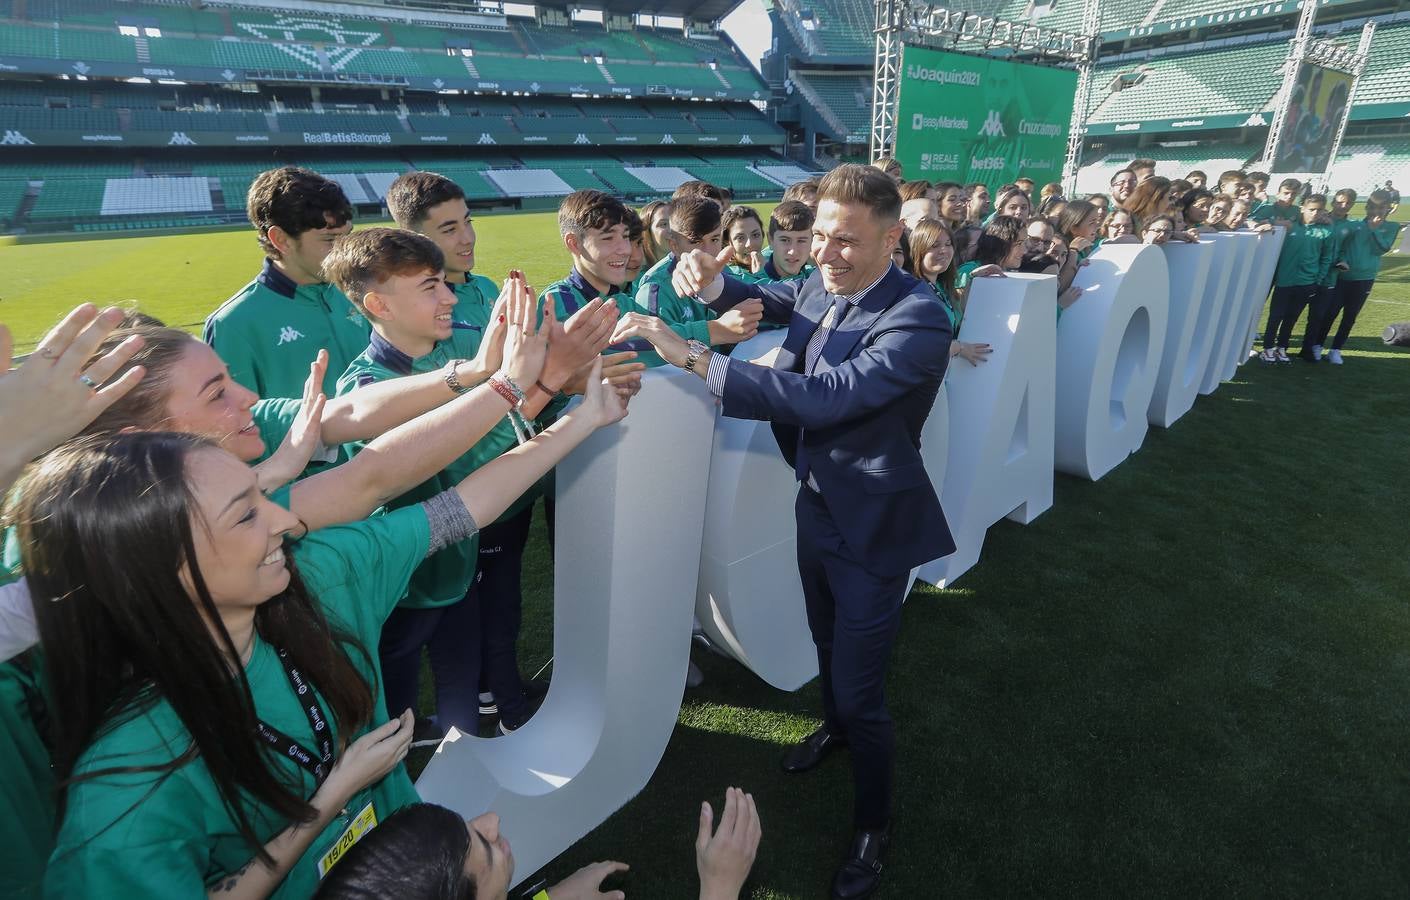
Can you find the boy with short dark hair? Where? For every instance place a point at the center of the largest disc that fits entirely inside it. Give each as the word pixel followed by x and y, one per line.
pixel 396 278
pixel 1198 179
pixel 1228 179
pixel 791 238
pixel 696 224
pixel 1282 211
pixel 744 232
pixel 1260 184
pixel 273 328
pixel 702 190
pixel 1144 169
pixel 1025 184
pixel 1324 306
pixel 1307 253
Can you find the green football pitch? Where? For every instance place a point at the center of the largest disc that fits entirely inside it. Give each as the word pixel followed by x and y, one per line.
pixel 1187 679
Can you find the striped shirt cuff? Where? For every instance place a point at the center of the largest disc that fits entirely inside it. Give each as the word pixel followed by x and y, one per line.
pixel 715 374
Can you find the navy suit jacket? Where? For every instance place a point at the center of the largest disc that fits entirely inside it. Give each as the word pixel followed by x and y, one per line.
pixel 861 411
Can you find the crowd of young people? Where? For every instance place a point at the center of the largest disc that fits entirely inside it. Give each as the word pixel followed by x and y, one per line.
pixel 227 558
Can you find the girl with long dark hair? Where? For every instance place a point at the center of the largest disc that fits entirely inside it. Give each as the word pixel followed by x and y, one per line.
pixel 932 253
pixel 214 693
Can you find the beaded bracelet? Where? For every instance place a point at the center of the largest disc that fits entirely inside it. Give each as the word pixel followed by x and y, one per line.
pixel 507 389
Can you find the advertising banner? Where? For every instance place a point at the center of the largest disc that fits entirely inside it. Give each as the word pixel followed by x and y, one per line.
pixel 1315 113
pixel 971 118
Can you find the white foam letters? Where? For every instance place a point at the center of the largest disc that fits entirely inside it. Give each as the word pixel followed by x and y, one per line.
pixel 1260 281
pixel 1233 327
pixel 1109 345
pixel 1000 417
pixel 750 599
pixel 621 629
pixel 1189 335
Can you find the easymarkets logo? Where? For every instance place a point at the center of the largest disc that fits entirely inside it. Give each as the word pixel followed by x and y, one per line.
pixel 922 122
pixel 346 137
pixel 943 76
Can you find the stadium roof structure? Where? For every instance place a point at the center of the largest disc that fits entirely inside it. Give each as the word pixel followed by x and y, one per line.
pixel 700 10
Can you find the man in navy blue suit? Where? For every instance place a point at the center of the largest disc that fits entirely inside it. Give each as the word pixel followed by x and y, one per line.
pixel 848 394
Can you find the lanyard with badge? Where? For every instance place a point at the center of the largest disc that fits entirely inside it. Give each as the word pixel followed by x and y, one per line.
pixel 317 763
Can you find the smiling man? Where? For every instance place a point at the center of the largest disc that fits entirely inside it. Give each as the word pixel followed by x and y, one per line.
pixel 848 395
pixel 271 330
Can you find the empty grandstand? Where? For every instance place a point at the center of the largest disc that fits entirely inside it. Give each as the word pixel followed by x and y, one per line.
pixel 1186 82
pixel 190 100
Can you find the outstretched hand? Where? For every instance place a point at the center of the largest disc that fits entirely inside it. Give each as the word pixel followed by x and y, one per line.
pixel 586 883
pixel 697 270
pixel 305 435
pixel 724 858
pixel 573 345
pixel 671 346
pixel 526 338
pixel 57 392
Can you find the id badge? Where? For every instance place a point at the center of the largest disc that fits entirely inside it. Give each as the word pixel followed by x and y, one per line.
pixel 363 822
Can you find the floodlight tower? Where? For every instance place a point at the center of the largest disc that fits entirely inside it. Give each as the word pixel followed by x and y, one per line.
pixel 1363 54
pixel 1086 65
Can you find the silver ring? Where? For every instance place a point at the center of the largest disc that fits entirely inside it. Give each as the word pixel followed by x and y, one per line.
pixel 88 382
pixel 47 352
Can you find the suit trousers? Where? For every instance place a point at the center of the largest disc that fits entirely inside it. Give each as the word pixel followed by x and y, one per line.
pixel 854 615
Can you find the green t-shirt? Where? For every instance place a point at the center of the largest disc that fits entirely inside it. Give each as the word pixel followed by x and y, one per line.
pixel 158 835
pixel 744 274
pixel 270 332
pixel 1269 210
pixel 27 788
pixel 965 274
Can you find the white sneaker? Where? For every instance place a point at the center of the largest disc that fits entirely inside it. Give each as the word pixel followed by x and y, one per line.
pixel 1317 352
pixel 1282 355
pixel 1334 357
pixel 1268 356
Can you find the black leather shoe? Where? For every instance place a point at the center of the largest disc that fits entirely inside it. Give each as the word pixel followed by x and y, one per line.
pixel 806 755
pixel 860 875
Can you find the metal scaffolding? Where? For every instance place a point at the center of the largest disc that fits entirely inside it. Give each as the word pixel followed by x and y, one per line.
pixel 900 22
pixel 1358 63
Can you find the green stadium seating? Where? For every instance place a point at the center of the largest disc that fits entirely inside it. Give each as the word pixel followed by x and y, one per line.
pixel 1387 72
pixel 1226 81
pixel 67 198
pixel 846 96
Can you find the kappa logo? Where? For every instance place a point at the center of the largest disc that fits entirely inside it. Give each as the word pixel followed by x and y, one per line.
pixel 14 137
pixel 485 138
pixel 581 139
pixel 746 139
pixel 180 139
pixel 993 125
pixel 667 139
pixel 288 334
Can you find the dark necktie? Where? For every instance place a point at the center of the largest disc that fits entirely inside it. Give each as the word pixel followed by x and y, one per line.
pixel 811 354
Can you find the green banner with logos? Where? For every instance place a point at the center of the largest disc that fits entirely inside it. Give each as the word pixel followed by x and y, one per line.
pixel 973 118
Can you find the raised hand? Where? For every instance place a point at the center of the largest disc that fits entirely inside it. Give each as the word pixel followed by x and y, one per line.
pixel 756 261
pixel 573 345
pixel 526 339
pixel 671 346
pixel 57 392
pixel 617 368
pixel 697 270
pixel 602 404
pixel 305 434
pixel 738 324
pixel 370 758
pixel 991 270
pixel 490 356
pixel 586 883
pixel 724 858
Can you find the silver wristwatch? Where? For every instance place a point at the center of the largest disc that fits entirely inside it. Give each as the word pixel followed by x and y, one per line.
pixel 450 378
pixel 694 351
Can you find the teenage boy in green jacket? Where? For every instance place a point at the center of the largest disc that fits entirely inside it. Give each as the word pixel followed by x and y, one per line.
pixel 1308 252
pixel 1282 211
pixel 397 279
pixel 696 224
pixel 1366 242
pixel 271 330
